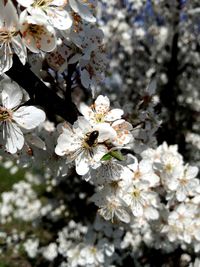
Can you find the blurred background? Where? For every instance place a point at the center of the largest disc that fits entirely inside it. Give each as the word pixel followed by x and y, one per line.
pixel 148 39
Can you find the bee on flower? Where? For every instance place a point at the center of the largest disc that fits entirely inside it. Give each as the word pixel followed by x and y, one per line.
pixel 100 112
pixel 83 143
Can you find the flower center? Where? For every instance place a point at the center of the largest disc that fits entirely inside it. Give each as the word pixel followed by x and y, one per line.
pixel 6 36
pixel 35 29
pixel 136 193
pixel 183 181
pixel 42 3
pixel 137 174
pixel 99 117
pixel 169 168
pixel 93 250
pixel 36 32
pixel 115 185
pixel 5 114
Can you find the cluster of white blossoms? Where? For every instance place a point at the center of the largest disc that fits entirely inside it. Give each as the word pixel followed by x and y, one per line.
pixel 148 196
pixel 145 195
pixel 64 28
pixel 95 135
pixel 20 203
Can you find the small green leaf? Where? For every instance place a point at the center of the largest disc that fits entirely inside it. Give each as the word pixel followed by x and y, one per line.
pixel 117 154
pixel 113 154
pixel 106 157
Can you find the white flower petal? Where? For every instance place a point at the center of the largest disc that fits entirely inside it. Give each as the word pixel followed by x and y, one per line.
pixel 106 132
pixel 122 215
pixel 85 78
pixel 60 3
pixel 124 135
pixel 99 151
pixel 86 111
pixel 172 184
pixel 14 137
pixel 59 19
pixel 151 213
pixel 29 117
pixel 19 48
pixel 152 178
pixel 181 194
pixel 137 209
pixel 11 95
pixel 37 36
pixel 106 213
pixel 48 40
pixel 145 166
pixel 6 55
pixel 191 172
pixel 102 104
pixel 82 10
pixel 25 3
pixel 114 114
pixel 67 143
pixel 82 166
pixel 8 15
pixel 82 126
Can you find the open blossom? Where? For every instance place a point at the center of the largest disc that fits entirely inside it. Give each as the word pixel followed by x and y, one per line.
pixel 83 143
pixel 31 247
pixel 185 184
pixel 100 111
pixel 138 196
pixel 143 170
pixel 13 117
pixel 111 206
pixel 123 130
pixel 180 223
pixel 52 11
pixel 37 35
pixel 10 39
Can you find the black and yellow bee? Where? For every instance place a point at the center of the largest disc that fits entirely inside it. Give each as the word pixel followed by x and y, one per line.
pixel 91 139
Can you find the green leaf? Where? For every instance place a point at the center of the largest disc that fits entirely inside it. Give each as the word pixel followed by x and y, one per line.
pixel 106 157
pixel 117 154
pixel 113 154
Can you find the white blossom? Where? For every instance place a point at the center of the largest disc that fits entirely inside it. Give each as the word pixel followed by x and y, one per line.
pixel 37 35
pixel 14 117
pixel 100 111
pixel 52 12
pixel 185 184
pixel 82 143
pixel 31 247
pixel 50 252
pixel 10 39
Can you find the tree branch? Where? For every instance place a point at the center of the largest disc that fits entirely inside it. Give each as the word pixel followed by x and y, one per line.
pixel 40 94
